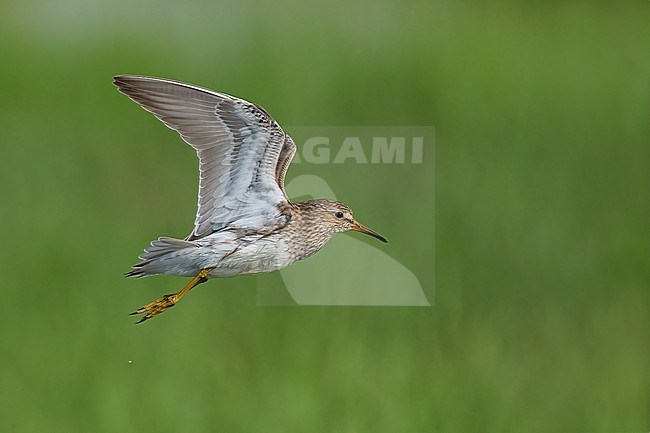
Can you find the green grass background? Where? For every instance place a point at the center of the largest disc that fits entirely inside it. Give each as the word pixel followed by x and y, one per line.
pixel 541 313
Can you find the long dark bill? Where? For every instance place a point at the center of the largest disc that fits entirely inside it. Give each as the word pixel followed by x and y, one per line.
pixel 363 229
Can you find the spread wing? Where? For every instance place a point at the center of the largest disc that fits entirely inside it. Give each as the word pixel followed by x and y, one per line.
pixel 243 153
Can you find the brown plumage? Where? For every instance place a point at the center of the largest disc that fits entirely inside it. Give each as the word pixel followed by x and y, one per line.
pixel 245 222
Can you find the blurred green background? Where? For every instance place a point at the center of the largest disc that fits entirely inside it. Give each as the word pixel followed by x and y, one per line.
pixel 541 313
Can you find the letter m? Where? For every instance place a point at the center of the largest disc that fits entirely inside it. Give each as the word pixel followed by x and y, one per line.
pixel 386 151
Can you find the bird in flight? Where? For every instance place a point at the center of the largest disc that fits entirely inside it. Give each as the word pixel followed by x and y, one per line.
pixel 245 223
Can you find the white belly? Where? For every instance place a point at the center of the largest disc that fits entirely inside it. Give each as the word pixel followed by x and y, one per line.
pixel 264 255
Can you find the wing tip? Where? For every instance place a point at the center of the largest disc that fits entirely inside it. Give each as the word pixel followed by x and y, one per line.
pixel 123 82
pixel 131 80
pixel 120 80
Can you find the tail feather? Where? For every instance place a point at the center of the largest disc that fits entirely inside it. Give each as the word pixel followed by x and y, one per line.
pixel 155 254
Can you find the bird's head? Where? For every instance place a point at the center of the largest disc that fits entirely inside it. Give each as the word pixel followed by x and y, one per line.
pixel 339 217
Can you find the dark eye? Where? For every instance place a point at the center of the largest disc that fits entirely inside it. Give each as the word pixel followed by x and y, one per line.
pixel 339 214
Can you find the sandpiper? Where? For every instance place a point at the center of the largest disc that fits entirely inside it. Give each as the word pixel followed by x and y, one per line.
pixel 245 223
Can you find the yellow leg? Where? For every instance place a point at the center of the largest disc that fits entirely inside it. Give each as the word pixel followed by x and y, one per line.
pixel 168 301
